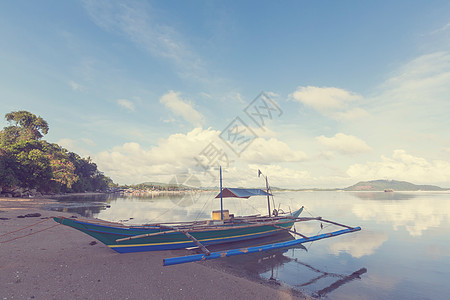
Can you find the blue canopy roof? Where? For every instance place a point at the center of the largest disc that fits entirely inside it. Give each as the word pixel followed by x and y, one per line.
pixel 242 193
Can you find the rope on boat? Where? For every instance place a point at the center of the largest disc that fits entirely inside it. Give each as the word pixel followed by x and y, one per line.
pixel 318 232
pixel 19 237
pixel 202 210
pixel 304 209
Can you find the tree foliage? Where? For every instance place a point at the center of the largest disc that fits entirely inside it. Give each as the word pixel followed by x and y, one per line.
pixel 29 162
pixel 33 164
pixel 8 169
pixel 26 126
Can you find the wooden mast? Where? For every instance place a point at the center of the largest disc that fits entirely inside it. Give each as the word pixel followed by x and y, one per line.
pixel 267 187
pixel 268 200
pixel 221 198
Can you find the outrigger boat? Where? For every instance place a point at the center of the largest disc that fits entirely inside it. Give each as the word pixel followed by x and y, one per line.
pixel 223 228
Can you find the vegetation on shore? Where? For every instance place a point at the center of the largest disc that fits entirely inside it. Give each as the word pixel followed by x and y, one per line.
pixel 157 186
pixel 28 163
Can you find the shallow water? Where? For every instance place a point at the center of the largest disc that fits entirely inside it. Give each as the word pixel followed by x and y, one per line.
pixel 402 251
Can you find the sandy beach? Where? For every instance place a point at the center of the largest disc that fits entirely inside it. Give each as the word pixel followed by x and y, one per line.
pixel 63 263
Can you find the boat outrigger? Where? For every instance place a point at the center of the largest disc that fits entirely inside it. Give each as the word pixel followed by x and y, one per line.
pixel 223 228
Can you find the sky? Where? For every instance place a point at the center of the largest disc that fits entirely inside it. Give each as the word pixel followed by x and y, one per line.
pixel 315 94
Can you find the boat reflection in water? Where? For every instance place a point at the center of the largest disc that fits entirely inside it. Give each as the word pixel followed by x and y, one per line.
pixel 343 279
pixel 266 265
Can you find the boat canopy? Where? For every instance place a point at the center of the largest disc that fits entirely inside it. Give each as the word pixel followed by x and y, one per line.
pixel 242 193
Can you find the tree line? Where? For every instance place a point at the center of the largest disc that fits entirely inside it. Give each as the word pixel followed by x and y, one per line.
pixel 28 161
pixel 156 187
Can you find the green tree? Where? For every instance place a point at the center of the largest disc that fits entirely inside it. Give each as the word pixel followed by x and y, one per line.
pixel 100 182
pixel 63 169
pixel 85 170
pixel 33 164
pixel 27 161
pixel 26 126
pixel 8 169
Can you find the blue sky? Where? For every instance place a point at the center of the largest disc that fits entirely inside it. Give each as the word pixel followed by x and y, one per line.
pixel 145 87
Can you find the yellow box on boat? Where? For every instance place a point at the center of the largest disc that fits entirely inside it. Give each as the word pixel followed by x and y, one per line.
pixel 216 215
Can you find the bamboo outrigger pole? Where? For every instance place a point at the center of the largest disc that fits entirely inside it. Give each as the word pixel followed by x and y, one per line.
pixel 233 252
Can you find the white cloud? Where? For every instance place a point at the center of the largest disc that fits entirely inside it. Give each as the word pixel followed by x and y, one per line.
pixel 239 98
pixel 410 109
pixel 403 166
pixel 272 94
pixel 352 114
pixel 443 28
pixel 181 153
pixel 75 86
pixel 181 107
pixel 127 104
pixel 422 74
pixel 271 151
pixel 130 163
pixel 327 155
pixel 344 144
pixel 329 101
pixel 358 245
pixel 418 90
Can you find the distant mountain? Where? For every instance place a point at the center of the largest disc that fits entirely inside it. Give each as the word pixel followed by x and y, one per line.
pixel 381 185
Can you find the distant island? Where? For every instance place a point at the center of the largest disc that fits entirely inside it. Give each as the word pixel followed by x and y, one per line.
pixel 391 185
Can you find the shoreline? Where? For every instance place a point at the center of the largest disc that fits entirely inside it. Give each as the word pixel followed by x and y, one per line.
pixel 62 262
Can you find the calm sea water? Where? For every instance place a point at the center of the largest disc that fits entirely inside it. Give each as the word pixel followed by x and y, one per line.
pixel 402 251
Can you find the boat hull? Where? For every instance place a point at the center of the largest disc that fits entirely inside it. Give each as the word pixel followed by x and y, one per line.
pixel 172 240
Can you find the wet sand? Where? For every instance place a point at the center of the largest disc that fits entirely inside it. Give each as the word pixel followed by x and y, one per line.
pixel 63 263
